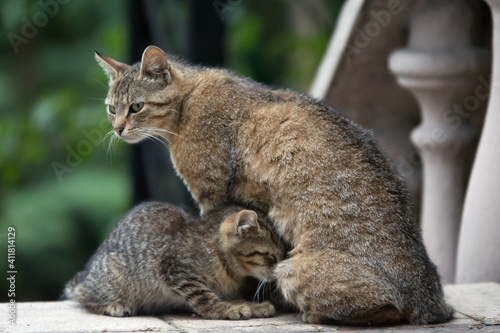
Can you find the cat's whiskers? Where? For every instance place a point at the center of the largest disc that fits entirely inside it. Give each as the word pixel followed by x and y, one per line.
pixel 96 98
pixel 110 148
pixel 106 136
pixel 156 139
pixel 113 140
pixel 260 287
pixel 116 139
pixel 152 137
pixel 150 134
pixel 105 86
pixel 154 129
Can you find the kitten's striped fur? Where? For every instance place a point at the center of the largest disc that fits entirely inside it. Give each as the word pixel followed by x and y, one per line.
pixel 159 257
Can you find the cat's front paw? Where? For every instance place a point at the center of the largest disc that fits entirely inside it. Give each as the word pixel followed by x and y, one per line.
pixel 237 312
pixel 262 310
pixel 118 310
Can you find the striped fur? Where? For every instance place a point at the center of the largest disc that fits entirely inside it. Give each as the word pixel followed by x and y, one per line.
pixel 159 257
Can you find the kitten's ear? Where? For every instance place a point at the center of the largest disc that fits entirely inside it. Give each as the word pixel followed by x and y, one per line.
pixel 114 69
pixel 154 64
pixel 246 223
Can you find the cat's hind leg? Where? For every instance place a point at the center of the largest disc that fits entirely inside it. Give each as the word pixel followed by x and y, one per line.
pixel 333 286
pixel 99 302
pixel 117 310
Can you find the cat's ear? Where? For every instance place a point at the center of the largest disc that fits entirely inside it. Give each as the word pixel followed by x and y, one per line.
pixel 155 65
pixel 114 69
pixel 246 223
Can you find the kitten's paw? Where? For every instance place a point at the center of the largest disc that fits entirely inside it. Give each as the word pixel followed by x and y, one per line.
pixel 118 310
pixel 237 312
pixel 262 310
pixel 312 318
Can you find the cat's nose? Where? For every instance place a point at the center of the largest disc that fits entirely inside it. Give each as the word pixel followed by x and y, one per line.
pixel 119 130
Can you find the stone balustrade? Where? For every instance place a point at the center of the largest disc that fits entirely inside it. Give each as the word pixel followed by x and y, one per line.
pixel 440 67
pixel 439 53
pixel 479 248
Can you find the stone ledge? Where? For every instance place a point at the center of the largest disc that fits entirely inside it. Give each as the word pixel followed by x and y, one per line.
pixel 480 300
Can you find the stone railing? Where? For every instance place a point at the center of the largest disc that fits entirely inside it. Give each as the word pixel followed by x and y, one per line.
pixel 440 52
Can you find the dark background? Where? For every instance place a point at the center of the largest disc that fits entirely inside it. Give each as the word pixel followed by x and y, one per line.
pixel 63 186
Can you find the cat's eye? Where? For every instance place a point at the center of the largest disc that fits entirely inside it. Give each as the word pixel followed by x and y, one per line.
pixel 136 107
pixel 111 109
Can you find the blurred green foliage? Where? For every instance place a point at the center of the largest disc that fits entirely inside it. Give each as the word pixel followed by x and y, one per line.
pixel 279 42
pixel 51 96
pixel 60 187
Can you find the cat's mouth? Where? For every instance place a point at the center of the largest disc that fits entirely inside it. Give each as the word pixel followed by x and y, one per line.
pixel 131 138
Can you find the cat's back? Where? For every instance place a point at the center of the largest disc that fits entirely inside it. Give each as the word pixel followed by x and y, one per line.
pixel 158 217
pixel 147 227
pixel 279 117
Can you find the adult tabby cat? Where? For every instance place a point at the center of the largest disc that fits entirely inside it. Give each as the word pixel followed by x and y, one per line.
pixel 358 255
pixel 160 257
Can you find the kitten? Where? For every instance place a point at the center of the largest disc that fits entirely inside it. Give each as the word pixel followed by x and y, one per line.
pixel 358 256
pixel 160 257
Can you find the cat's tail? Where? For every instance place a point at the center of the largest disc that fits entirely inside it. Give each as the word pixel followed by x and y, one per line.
pixel 69 289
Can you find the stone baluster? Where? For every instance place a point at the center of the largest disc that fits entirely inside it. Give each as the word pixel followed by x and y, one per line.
pixel 440 67
pixel 479 246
